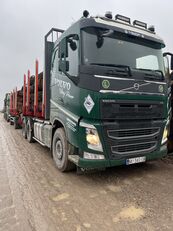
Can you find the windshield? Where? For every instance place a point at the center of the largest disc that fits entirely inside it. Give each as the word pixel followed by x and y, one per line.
pixel 101 47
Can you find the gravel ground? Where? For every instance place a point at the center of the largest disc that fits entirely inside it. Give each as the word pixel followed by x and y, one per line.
pixel 34 195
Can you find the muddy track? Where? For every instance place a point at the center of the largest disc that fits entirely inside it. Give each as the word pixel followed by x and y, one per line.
pixel 138 197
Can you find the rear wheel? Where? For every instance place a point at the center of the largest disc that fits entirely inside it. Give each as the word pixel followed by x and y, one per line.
pixel 16 126
pixel 11 122
pixel 24 130
pixel 29 132
pixel 60 151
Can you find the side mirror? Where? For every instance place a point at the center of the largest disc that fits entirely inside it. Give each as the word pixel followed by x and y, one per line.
pixel 172 62
pixel 166 54
pixel 73 44
pixel 101 36
pixel 63 66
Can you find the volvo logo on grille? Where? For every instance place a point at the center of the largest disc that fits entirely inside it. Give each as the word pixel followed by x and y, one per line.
pixel 136 86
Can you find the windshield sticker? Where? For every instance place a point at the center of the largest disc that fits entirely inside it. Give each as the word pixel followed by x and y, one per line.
pixel 105 84
pixel 89 103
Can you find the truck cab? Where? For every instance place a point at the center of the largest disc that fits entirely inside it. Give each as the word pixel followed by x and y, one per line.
pixel 109 93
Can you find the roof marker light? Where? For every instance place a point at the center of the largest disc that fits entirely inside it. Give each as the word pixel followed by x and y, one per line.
pixel 140 24
pixel 85 14
pixel 108 14
pixel 151 28
pixel 122 18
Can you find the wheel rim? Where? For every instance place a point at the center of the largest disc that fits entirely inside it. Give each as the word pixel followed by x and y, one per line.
pixel 59 150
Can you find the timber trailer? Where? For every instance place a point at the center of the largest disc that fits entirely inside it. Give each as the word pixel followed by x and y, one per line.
pixel 105 95
pixel 16 102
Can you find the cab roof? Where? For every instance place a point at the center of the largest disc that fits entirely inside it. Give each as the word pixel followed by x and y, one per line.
pixel 122 27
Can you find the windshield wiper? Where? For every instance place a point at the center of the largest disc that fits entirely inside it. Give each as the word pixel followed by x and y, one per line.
pixel 152 73
pixel 118 67
pixel 151 70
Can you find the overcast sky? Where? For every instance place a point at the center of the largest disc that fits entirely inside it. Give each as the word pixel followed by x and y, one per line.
pixel 23 24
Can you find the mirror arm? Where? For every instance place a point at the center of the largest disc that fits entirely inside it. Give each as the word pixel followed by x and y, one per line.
pixel 167 53
pixel 107 34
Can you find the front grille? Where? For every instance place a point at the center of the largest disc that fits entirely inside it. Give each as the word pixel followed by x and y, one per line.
pixel 120 109
pixel 133 133
pixel 132 138
pixel 134 148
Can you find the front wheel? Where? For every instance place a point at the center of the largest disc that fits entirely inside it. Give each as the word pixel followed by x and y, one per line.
pixel 24 129
pixel 29 132
pixel 60 151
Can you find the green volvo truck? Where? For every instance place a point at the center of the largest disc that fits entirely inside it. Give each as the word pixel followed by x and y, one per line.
pixel 106 96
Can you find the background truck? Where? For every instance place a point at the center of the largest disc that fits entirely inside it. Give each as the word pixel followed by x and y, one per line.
pixel 16 102
pixel 105 94
pixel 6 107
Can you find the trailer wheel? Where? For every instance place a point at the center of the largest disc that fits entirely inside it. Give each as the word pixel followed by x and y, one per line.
pixel 29 132
pixel 24 130
pixel 5 115
pixel 60 151
pixel 16 126
pixel 11 123
pixel 7 118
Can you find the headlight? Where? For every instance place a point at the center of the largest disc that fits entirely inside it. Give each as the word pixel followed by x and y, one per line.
pixel 165 135
pixel 93 140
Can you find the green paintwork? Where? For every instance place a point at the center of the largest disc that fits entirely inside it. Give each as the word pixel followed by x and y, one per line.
pixel 75 108
pixel 83 163
pixel 67 107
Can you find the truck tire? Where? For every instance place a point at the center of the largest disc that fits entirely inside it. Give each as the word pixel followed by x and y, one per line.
pixel 60 151
pixel 24 131
pixel 5 116
pixel 8 119
pixel 29 132
pixel 11 123
pixel 16 126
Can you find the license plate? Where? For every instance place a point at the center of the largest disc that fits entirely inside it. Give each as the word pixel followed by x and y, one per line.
pixel 135 160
